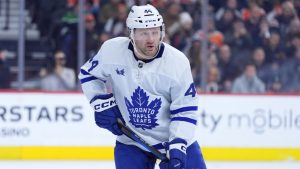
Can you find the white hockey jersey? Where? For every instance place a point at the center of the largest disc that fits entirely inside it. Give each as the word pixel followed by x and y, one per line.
pixel 157 98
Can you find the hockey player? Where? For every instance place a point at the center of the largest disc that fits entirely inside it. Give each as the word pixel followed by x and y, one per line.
pixel 152 91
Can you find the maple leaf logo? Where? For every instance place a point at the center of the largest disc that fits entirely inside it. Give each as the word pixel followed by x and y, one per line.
pixel 120 72
pixel 141 114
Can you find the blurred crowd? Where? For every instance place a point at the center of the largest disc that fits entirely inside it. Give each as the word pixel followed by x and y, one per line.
pixel 253 45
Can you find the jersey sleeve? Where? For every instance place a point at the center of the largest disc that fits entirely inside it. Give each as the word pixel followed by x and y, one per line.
pixel 184 107
pixel 92 76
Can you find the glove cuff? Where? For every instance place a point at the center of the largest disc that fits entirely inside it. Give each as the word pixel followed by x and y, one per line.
pixel 178 140
pixel 179 144
pixel 103 102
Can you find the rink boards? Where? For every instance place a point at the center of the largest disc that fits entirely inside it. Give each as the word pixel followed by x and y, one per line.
pixel 231 127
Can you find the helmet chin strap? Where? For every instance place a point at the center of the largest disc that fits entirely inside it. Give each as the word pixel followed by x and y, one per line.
pixel 141 55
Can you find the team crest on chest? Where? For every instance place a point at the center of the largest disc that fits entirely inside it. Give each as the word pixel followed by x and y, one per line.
pixel 142 114
pixel 120 72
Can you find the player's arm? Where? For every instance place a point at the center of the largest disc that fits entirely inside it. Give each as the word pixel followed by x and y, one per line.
pixel 184 115
pixel 184 108
pixel 93 77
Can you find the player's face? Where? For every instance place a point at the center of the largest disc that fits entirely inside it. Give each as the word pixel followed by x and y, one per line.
pixel 147 41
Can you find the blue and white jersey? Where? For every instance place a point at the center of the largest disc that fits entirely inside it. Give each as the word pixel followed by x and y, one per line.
pixel 157 98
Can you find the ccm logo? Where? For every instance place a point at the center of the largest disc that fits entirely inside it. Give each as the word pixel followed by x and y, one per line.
pixel 183 148
pixel 105 104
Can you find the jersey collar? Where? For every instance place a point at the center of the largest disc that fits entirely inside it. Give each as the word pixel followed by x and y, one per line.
pixel 158 55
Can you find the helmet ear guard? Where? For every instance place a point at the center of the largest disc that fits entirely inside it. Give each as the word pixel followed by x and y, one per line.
pixel 130 33
pixel 162 32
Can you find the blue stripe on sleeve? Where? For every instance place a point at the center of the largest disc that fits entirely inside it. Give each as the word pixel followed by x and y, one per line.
pixel 82 71
pixel 87 79
pixel 101 97
pixel 184 109
pixel 185 119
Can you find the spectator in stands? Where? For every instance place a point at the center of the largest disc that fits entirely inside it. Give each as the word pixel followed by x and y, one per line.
pixel 269 73
pixel 226 15
pixel 292 31
pixel 230 6
pixel 291 73
pixel 62 78
pixel 182 38
pixel 108 10
pixel 253 21
pixel 93 7
pixel 254 17
pixel 5 74
pixel 215 37
pixel 240 42
pixel 273 77
pixel 195 7
pixel 224 24
pixel 248 82
pixel 258 58
pixel 297 6
pixel 195 57
pixel 262 34
pixel 49 15
pixel 213 77
pixel 116 24
pixel 228 70
pixel 274 48
pixel 216 40
pixel 91 37
pixel 160 5
pixel 171 18
pixel 285 17
pixel 212 60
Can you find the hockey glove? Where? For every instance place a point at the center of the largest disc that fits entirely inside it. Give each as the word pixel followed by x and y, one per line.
pixel 177 155
pixel 106 113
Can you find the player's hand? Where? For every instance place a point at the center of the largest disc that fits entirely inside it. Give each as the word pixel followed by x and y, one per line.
pixel 177 155
pixel 164 165
pixel 106 113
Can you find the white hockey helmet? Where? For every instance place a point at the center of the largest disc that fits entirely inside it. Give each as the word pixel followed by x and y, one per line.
pixel 145 16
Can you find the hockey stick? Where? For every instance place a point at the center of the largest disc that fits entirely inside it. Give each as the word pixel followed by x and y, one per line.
pixel 129 133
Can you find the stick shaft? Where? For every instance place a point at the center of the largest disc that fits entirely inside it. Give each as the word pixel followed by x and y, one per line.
pixel 129 133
